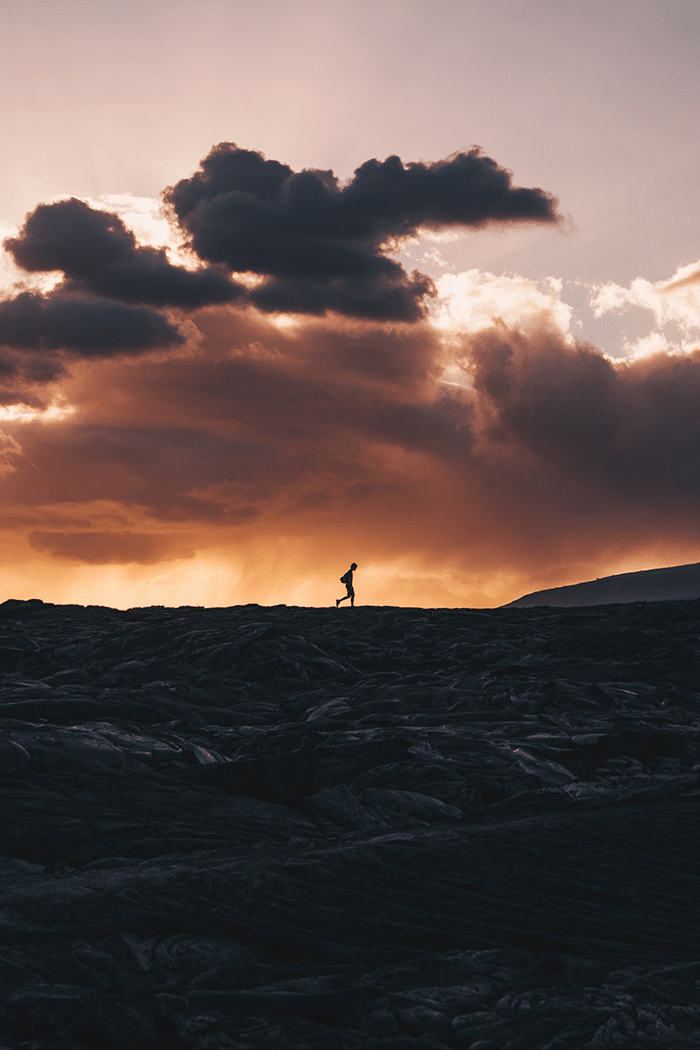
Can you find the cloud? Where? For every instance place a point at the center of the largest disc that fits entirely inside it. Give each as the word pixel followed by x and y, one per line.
pixel 615 432
pixel 478 452
pixel 473 300
pixel 685 277
pixel 9 447
pixel 280 449
pixel 649 345
pixel 88 327
pixel 109 548
pixel 322 246
pixel 676 299
pixel 303 243
pixel 98 254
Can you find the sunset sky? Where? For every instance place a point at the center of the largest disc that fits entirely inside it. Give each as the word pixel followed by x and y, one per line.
pixel 286 285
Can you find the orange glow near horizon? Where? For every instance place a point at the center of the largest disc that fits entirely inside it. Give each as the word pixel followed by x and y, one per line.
pixel 213 582
pixel 252 465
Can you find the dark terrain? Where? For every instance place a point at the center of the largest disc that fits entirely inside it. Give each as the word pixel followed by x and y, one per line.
pixel 291 828
pixel 649 585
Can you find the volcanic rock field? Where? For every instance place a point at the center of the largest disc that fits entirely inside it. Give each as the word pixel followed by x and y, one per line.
pixel 370 827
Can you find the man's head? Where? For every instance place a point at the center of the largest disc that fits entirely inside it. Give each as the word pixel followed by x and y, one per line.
pixel 353 566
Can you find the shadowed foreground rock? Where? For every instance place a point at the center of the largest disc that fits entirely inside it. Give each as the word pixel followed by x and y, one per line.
pixel 279 827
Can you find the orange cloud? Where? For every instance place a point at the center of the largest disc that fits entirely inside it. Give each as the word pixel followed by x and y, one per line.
pixel 278 454
pixel 108 548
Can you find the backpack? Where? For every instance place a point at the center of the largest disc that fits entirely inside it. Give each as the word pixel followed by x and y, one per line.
pixel 344 579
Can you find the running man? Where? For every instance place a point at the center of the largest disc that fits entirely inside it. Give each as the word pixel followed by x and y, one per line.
pixel 347 580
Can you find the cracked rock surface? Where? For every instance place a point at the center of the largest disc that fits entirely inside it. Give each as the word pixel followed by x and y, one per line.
pixel 369 827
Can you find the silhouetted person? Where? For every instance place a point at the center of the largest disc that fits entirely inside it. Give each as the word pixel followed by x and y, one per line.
pixel 347 580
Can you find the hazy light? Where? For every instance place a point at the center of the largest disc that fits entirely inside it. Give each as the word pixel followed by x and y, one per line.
pixel 25 414
pixel 284 321
pixel 474 300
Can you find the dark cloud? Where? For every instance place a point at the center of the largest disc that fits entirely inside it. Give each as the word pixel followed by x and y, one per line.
pixel 22 373
pixel 383 299
pixel 21 398
pixel 322 246
pixel 87 327
pixel 318 246
pixel 627 431
pixel 97 253
pixel 29 369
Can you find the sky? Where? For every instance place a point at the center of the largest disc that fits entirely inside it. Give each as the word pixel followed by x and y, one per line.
pixel 284 286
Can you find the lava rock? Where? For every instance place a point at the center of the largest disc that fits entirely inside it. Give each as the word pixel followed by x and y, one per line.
pixel 290 827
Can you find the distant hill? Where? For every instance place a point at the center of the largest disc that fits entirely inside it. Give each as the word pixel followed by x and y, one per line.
pixel 651 585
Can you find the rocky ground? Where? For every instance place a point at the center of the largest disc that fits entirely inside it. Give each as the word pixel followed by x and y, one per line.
pixel 309 828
